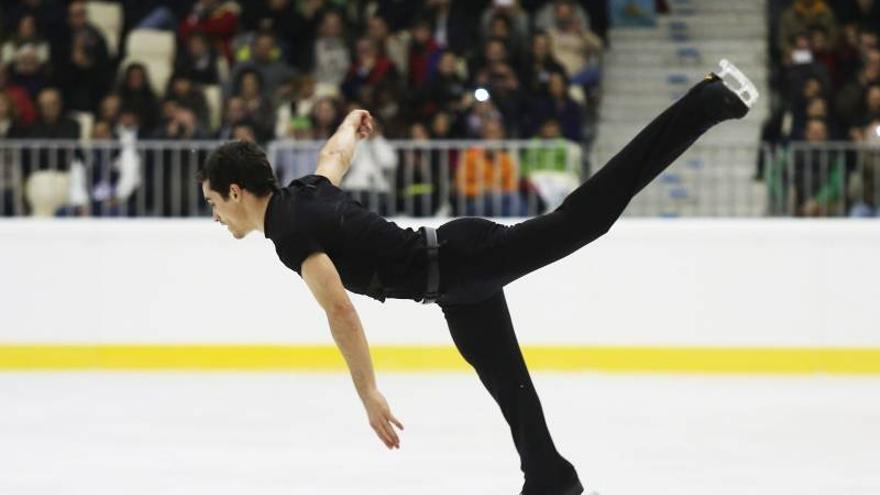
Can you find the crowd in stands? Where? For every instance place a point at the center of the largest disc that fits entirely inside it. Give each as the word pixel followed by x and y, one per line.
pixel 290 69
pixel 826 68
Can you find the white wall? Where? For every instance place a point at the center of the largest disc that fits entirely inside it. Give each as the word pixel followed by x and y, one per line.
pixel 682 282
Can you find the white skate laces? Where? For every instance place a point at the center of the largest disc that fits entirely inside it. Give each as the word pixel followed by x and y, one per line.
pixel 734 79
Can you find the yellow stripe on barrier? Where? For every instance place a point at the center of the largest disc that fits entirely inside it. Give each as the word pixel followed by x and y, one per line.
pixel 438 358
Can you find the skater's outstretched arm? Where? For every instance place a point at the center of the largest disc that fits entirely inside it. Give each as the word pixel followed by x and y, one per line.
pixel 323 280
pixel 336 155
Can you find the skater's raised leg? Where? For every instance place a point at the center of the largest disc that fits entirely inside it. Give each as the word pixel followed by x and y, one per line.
pixel 591 209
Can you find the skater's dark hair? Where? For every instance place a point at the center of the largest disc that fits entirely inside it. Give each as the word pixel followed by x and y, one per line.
pixel 242 163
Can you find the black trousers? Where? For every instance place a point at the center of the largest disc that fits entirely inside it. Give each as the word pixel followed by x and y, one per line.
pixel 479 257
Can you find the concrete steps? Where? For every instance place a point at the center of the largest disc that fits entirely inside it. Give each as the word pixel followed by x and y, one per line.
pixel 646 70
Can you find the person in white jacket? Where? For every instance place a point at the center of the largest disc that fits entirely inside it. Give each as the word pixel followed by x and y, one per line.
pixel 371 176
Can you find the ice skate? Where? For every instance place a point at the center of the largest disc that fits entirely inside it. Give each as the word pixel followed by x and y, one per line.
pixel 738 83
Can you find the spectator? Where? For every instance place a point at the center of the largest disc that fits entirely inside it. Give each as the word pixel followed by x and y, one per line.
pixel 865 12
pixel 51 123
pixel 244 132
pixel 370 71
pixel 500 29
pixel 806 79
pixel 28 73
pixel 577 50
pixel 281 18
pixel 217 19
pixel 799 18
pixel 545 17
pixel 199 58
pixel 188 95
pixel 136 94
pixel 48 14
pixel 869 112
pixel 398 14
pixel 815 108
pixel 419 176
pixel 517 18
pixel 326 117
pixel 444 90
pixel 234 114
pixel 558 106
pixel 10 171
pixel 298 107
pixel 443 126
pixel 423 54
pixel 395 46
pixel 494 52
pixel 129 126
pixel 539 65
pixel 84 67
pixel 816 179
pixel 19 98
pixel 391 109
pixel 369 180
pixel 551 167
pixel 110 109
pixel 824 54
pixel 867 41
pixel 455 23
pixel 82 34
pixel 847 54
pixel 265 58
pixel 817 183
pixel 26 35
pixel 330 51
pixel 477 114
pixel 809 90
pixel 249 87
pixel 486 179
pixel 115 176
pixel 506 92
pixel 864 187
pixel 180 123
pixel 851 96
pixel 10 128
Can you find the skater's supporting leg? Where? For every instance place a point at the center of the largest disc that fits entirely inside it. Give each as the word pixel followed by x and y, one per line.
pixel 484 335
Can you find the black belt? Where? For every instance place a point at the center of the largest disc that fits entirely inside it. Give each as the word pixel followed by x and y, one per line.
pixel 432 290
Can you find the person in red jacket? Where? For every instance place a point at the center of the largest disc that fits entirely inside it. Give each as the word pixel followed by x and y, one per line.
pixel 19 98
pixel 217 20
pixel 371 68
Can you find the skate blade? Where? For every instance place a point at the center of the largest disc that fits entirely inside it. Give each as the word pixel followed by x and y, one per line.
pixel 746 90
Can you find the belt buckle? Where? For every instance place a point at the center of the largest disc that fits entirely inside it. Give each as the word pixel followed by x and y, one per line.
pixel 432 278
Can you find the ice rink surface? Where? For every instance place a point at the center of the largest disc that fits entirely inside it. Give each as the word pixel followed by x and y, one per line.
pixel 304 434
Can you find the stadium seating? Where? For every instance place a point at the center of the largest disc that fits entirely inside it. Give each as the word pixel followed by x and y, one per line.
pixel 107 17
pixel 46 192
pixel 154 49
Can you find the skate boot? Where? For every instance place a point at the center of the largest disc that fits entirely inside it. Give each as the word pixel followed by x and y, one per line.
pixel 726 95
pixel 571 487
pixel 574 489
pixel 738 83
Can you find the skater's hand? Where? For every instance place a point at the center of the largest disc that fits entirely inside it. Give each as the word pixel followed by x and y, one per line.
pixel 381 419
pixel 361 121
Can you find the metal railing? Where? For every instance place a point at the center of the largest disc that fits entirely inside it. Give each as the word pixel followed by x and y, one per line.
pixel 444 178
pixel 832 179
pixel 708 180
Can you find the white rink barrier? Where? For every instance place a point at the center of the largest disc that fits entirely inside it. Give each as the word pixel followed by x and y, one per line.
pixel 728 283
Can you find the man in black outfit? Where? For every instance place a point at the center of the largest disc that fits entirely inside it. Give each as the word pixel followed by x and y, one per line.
pixel 335 244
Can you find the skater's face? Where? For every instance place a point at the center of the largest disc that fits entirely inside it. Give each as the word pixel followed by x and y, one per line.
pixel 230 211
